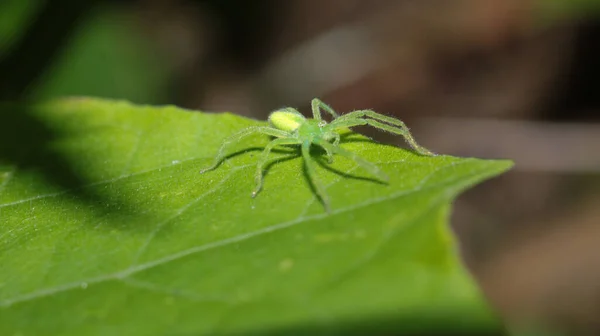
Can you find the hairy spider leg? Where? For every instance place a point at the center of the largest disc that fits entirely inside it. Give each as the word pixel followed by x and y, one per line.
pixel 405 133
pixel 374 115
pixel 368 166
pixel 329 155
pixel 239 135
pixel 265 155
pixel 310 169
pixel 336 141
pixel 317 105
pixel 337 138
pixel 347 122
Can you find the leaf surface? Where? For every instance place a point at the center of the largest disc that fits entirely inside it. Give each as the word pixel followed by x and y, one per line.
pixel 106 227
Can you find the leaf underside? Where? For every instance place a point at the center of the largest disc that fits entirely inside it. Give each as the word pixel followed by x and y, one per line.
pixel 106 227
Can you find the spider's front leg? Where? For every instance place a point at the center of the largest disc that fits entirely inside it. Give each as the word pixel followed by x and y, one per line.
pixel 317 105
pixel 404 132
pixel 239 135
pixel 258 177
pixel 378 120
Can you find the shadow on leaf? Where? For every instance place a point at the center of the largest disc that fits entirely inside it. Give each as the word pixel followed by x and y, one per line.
pixel 410 324
pixel 26 146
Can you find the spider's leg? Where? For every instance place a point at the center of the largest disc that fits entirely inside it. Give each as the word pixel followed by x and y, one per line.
pixel 337 125
pixel 317 105
pixel 368 166
pixel 310 168
pixel 329 156
pixel 336 141
pixel 263 158
pixel 345 123
pixel 396 126
pixel 401 131
pixel 239 135
pixel 371 114
pixel 379 117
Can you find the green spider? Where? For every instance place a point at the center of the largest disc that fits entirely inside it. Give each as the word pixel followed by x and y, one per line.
pixel 290 127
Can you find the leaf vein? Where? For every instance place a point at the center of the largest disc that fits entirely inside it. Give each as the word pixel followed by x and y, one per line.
pixel 181 210
pixel 236 239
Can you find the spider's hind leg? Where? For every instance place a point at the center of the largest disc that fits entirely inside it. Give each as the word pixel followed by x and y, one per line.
pixel 258 177
pixel 239 135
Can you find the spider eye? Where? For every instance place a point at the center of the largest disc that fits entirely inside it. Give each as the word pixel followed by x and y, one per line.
pixel 322 123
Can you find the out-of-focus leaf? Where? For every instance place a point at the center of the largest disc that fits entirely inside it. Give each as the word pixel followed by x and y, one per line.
pixel 107 57
pixel 14 17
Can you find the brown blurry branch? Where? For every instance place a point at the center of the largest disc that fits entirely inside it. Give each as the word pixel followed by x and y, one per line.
pixel 551 273
pixel 534 146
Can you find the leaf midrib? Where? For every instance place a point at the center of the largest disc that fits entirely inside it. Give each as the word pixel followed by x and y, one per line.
pixel 119 275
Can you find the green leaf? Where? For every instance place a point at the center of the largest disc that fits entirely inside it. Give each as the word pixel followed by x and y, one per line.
pixel 106 227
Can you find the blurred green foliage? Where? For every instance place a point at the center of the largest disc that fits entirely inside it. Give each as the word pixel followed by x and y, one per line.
pixel 107 56
pixel 553 10
pixel 14 16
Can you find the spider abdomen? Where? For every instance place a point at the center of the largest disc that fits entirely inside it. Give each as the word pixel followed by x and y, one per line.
pixel 287 120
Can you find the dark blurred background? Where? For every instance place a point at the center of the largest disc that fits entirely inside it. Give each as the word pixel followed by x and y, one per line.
pixel 516 79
